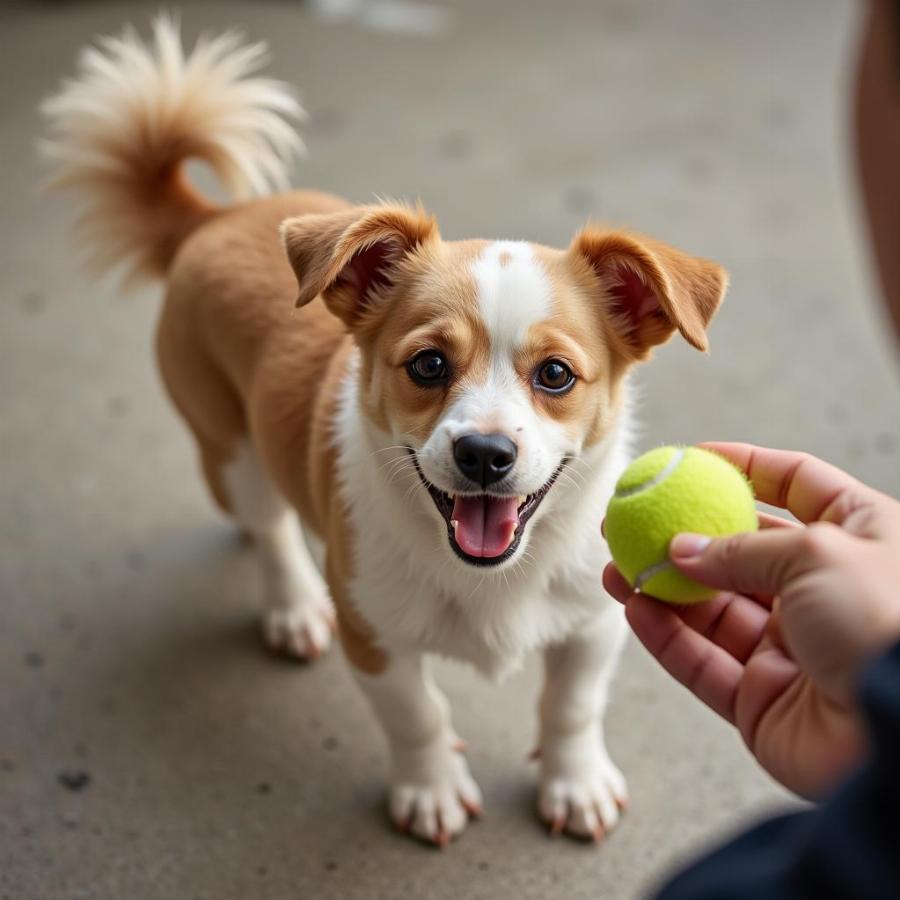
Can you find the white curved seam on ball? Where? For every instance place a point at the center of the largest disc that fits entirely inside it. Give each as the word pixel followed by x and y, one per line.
pixel 658 478
pixel 649 572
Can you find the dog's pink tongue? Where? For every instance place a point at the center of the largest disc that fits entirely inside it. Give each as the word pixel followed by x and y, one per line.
pixel 485 525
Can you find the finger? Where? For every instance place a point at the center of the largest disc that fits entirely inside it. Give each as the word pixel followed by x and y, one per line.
pixel 813 490
pixel 767 520
pixel 708 671
pixel 615 583
pixel 762 562
pixel 731 621
pixel 774 634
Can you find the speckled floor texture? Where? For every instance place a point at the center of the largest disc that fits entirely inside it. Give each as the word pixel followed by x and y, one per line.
pixel 149 748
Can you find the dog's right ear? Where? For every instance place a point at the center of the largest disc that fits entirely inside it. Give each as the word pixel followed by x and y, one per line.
pixel 350 257
pixel 649 289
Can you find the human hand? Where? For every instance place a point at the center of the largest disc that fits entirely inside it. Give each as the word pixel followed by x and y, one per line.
pixel 804 606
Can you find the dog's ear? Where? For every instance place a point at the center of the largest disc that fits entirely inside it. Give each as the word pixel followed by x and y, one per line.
pixel 349 257
pixel 649 288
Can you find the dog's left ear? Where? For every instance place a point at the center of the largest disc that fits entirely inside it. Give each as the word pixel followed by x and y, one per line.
pixel 350 257
pixel 649 288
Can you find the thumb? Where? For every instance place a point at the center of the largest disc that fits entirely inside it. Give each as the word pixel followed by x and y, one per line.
pixel 756 562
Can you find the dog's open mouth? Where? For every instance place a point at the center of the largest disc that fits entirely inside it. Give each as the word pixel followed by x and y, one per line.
pixel 485 529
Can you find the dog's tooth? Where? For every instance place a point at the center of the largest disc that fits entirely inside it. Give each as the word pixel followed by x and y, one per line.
pixel 454 523
pixel 521 499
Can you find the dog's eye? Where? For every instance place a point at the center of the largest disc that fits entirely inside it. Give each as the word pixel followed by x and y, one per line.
pixel 428 368
pixel 554 376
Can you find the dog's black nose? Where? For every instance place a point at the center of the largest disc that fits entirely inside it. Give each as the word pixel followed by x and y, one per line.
pixel 484 458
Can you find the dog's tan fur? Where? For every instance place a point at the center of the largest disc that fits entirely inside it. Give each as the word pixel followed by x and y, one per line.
pixel 240 360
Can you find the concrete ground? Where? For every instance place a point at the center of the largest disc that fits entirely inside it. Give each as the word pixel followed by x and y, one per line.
pixel 149 748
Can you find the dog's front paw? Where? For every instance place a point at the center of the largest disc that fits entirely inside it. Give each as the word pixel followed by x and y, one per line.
pixel 433 799
pixel 582 793
pixel 302 631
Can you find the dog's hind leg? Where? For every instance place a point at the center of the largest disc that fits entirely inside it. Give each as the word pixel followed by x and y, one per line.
pixel 297 615
pixel 298 618
pixel 212 463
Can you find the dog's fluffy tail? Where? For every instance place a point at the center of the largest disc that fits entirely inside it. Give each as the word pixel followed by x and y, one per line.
pixel 122 129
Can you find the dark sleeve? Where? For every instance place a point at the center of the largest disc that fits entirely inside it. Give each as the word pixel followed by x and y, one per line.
pixel 849 847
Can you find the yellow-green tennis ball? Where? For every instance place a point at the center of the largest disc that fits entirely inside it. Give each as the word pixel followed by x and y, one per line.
pixel 662 493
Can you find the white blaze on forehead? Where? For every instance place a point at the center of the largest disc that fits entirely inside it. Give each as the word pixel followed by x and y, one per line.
pixel 513 291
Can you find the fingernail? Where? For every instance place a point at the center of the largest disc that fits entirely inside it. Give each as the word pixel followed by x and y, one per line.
pixel 687 545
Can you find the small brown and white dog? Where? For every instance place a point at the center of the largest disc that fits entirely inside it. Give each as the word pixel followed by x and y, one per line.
pixel 447 418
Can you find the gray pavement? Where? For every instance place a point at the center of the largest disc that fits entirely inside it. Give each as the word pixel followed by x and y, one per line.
pixel 149 748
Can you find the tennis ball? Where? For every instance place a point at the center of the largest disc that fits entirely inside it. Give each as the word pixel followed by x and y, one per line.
pixel 664 492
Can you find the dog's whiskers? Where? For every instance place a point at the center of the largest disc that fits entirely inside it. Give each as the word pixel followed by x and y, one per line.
pixel 477 588
pixel 392 463
pixel 566 479
pixel 581 461
pixel 410 491
pixel 388 449
pixel 396 472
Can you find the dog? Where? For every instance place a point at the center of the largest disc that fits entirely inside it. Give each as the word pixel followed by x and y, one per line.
pixel 420 436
